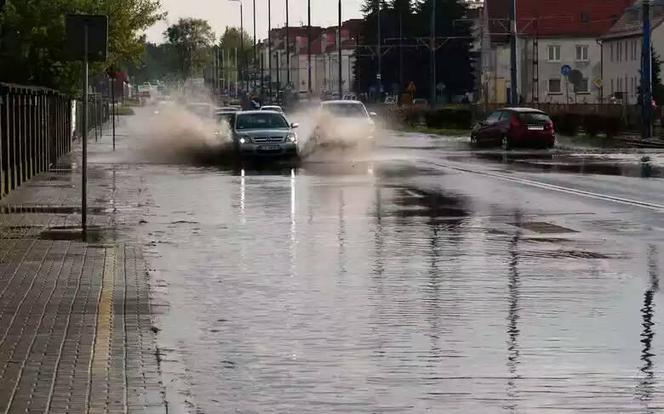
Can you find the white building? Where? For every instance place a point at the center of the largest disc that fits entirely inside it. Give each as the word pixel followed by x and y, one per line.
pixel 622 52
pixel 551 35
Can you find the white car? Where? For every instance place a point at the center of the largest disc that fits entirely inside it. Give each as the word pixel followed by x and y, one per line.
pixel 344 124
pixel 275 108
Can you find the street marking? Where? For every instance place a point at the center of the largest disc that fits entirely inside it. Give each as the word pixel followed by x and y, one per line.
pixel 537 184
pixel 99 366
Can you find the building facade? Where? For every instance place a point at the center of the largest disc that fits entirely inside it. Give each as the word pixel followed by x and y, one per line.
pixel 623 45
pixel 325 76
pixel 559 49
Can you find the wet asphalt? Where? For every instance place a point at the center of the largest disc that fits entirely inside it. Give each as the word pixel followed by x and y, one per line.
pixel 420 277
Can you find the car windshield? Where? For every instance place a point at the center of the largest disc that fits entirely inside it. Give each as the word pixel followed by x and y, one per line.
pixel 200 110
pixel 534 117
pixel 346 110
pixel 260 121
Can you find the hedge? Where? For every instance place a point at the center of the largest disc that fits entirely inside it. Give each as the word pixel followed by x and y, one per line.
pixel 593 124
pixel 449 118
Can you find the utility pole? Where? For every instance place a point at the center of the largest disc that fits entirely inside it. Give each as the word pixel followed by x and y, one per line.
pixel 646 73
pixel 341 86
pixel 433 55
pixel 514 98
pixel 269 44
pixel 287 48
pixel 380 54
pixel 255 56
pixel 309 44
pixel 401 50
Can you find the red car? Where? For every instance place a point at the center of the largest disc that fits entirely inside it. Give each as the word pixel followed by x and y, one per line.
pixel 515 127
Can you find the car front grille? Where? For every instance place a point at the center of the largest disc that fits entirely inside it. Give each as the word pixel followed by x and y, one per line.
pixel 263 140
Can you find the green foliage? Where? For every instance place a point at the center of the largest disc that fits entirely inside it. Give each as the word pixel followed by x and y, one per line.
pixel 567 124
pixel 34 33
pixel 158 62
pixel 192 40
pixel 657 86
pixel 593 124
pixel 451 118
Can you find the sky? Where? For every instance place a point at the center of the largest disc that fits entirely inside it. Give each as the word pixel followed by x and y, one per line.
pixel 222 13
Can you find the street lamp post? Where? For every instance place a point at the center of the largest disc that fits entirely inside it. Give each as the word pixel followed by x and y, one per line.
pixel 309 44
pixel 269 44
pixel 255 63
pixel 340 86
pixel 287 48
pixel 240 69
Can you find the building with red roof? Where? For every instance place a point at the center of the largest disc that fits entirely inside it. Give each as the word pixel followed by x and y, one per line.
pixel 324 57
pixel 622 51
pixel 554 37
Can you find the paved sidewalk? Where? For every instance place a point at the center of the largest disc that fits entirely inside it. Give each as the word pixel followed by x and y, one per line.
pixel 76 330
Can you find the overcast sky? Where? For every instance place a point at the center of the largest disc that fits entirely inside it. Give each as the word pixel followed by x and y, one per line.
pixel 222 13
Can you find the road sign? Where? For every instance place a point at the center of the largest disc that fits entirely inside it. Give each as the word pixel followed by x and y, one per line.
pixel 598 83
pixel 379 76
pixel 566 70
pixel 576 77
pixel 96 27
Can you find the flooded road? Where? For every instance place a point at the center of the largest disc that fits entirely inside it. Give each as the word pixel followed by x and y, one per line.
pixel 422 277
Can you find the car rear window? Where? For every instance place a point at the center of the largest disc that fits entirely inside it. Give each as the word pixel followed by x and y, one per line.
pixel 346 110
pixel 534 117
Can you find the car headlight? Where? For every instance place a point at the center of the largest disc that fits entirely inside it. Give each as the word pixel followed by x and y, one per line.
pixel 292 137
pixel 243 140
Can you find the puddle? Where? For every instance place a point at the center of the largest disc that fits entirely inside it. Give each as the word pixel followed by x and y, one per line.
pixel 41 209
pixel 92 234
pixel 542 227
pixel 560 163
pixel 420 203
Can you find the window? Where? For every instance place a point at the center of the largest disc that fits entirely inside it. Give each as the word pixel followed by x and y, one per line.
pixel 620 85
pixel 612 54
pixel 555 86
pixel 583 86
pixel 582 53
pixel 554 53
pixel 613 87
pixel 635 52
pixel 493 118
pixel 619 52
pixel 506 116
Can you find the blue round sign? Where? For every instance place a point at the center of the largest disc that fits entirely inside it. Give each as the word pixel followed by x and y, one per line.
pixel 566 70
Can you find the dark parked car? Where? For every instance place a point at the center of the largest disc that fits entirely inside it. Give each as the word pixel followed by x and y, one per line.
pixel 515 127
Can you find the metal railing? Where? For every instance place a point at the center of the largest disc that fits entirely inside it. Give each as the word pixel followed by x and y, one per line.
pixel 35 130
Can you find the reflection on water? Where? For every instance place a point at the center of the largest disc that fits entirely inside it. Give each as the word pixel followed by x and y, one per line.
pixel 648 382
pixel 354 293
pixel 513 284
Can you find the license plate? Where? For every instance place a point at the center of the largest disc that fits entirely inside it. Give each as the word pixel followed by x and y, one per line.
pixel 535 128
pixel 269 148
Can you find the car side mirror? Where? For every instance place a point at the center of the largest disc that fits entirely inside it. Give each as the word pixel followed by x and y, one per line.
pixel 373 114
pixel 295 125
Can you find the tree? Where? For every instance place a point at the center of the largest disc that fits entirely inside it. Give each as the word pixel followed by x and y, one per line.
pixel 34 31
pixel 453 61
pixel 158 62
pixel 192 39
pixel 657 86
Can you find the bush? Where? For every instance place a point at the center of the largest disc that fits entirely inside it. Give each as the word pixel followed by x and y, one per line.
pixel 124 110
pixel 452 118
pixel 411 117
pixel 567 124
pixel 592 124
pixel 613 125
